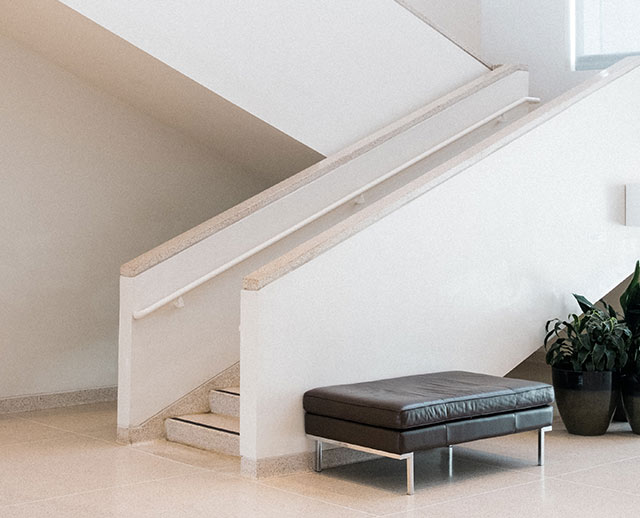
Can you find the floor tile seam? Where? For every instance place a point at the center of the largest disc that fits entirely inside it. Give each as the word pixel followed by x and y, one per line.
pixel 593 467
pixel 315 499
pixel 96 490
pixel 52 427
pixel 237 476
pixel 520 471
pixel 199 468
pixel 36 421
pixel 305 471
pixel 75 432
pixel 85 436
pixel 63 435
pixel 536 479
pixel 468 461
pixel 196 469
pixel 524 469
pixel 101 439
pixel 41 439
pixel 594 486
pixel 466 497
pixel 20 415
pixel 13 416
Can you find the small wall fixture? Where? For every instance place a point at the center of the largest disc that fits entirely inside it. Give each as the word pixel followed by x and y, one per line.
pixel 632 204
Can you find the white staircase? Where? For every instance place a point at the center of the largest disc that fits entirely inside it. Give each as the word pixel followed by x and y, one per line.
pixel 407 278
pixel 457 270
pixel 217 430
pixel 185 294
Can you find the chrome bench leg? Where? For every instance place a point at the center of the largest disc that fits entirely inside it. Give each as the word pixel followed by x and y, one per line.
pixel 450 460
pixel 541 433
pixel 317 466
pixel 410 478
pixel 318 460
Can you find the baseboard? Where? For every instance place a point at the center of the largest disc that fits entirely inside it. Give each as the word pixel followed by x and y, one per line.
pixel 195 402
pixel 16 404
pixel 300 462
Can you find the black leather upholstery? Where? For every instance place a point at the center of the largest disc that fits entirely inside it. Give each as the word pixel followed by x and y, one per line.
pixel 435 436
pixel 413 402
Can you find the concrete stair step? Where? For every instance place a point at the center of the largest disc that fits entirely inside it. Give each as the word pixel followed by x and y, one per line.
pixel 225 401
pixel 213 432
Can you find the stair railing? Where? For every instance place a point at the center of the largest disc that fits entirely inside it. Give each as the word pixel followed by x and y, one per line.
pixel 355 194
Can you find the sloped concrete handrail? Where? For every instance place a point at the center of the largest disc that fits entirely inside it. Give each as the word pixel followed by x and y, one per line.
pixel 227 218
pixel 218 271
pixel 387 205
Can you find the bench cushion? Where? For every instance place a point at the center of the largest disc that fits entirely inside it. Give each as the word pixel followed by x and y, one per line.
pixel 436 436
pixel 427 399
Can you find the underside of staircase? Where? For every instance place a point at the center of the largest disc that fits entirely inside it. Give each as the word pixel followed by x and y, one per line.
pixel 217 430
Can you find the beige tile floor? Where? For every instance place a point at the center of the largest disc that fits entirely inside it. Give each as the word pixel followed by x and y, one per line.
pixel 65 463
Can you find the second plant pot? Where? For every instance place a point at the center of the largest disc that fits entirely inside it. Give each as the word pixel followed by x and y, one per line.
pixel 619 415
pixel 586 400
pixel 630 387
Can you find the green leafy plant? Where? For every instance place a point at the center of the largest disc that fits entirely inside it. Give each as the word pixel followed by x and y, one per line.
pixel 594 341
pixel 630 304
pixel 586 306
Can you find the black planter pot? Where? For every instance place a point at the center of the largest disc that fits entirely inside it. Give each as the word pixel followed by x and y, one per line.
pixel 586 400
pixel 631 401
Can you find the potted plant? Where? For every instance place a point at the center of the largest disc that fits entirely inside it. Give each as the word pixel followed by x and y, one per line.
pixel 586 352
pixel 630 385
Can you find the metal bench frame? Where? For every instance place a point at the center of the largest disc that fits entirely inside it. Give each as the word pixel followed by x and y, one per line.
pixel 408 457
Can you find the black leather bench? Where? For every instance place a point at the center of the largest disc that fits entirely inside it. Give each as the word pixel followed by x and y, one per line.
pixel 399 416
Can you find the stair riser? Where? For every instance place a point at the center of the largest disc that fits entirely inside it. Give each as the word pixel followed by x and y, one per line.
pixel 226 404
pixel 203 438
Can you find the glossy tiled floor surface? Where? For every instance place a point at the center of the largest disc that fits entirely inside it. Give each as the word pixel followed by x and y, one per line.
pixel 65 463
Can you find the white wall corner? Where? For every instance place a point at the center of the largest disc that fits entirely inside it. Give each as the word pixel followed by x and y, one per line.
pixel 250 379
pixel 125 340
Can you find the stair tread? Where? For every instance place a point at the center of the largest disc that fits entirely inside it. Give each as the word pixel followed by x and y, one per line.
pixel 209 432
pixel 229 390
pixel 218 421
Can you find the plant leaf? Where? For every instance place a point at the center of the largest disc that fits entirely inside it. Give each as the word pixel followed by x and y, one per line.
pixel 584 304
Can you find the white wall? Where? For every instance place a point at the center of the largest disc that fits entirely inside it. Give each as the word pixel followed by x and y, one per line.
pixel 325 73
pixel 86 183
pixel 534 33
pixel 462 277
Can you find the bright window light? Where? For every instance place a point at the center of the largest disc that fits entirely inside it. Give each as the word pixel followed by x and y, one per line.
pixel 603 32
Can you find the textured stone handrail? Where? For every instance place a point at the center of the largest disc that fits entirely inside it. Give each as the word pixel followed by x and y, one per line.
pixel 210 227
pixel 354 224
pixel 327 209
